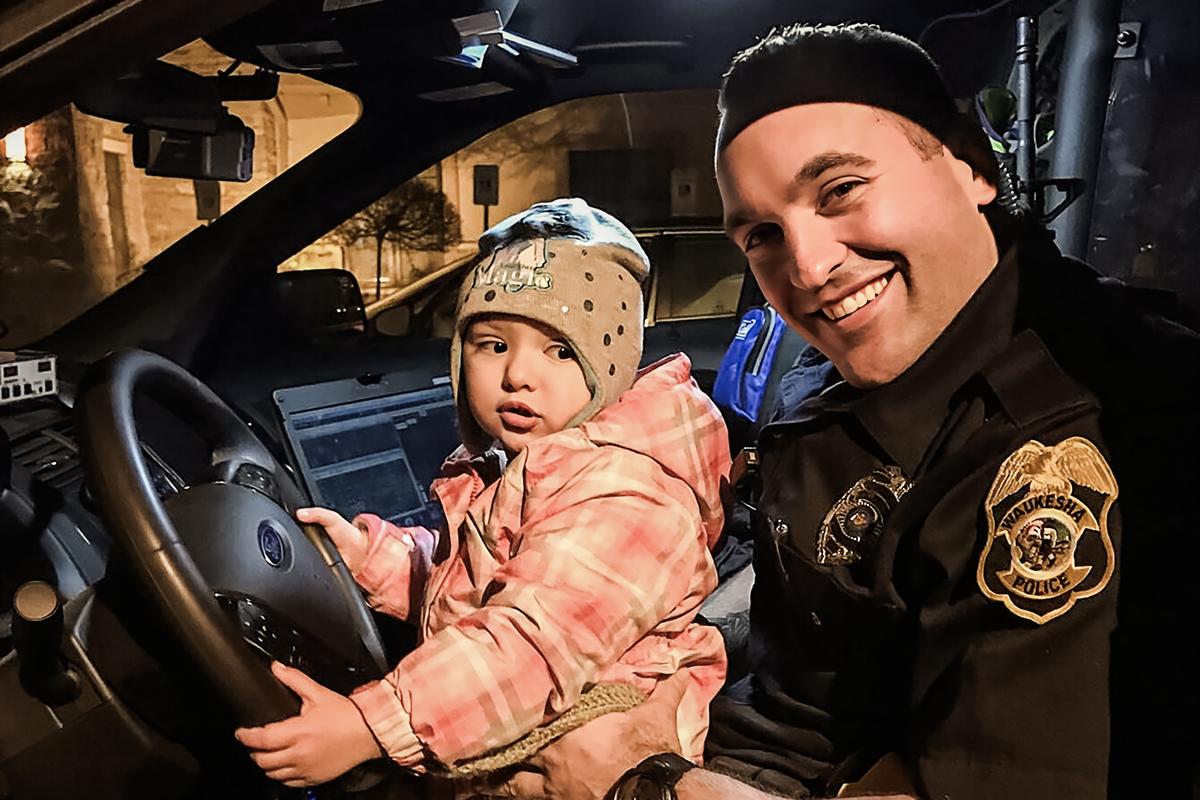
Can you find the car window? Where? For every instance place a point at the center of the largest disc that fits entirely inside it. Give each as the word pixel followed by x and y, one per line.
pixel 644 157
pixel 78 220
pixel 404 236
pixel 699 274
pixel 1148 184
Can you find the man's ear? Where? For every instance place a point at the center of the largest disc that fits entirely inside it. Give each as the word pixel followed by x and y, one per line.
pixel 979 187
pixel 967 143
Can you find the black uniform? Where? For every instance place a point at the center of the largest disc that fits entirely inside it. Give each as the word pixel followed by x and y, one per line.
pixel 985 566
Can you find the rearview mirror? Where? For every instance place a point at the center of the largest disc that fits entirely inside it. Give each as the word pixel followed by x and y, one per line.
pixel 226 155
pixel 180 127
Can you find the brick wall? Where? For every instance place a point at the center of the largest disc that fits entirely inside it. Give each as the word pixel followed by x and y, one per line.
pixel 45 275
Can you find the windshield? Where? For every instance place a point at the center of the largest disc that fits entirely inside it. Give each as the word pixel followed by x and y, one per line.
pixel 78 220
pixel 643 156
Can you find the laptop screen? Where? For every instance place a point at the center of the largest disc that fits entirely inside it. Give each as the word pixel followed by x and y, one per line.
pixel 372 447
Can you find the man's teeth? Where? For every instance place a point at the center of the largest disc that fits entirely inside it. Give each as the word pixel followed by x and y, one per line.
pixel 856 301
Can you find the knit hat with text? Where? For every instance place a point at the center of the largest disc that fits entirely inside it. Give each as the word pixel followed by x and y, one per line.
pixel 571 267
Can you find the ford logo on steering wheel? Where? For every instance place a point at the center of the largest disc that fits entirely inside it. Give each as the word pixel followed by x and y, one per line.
pixel 271 543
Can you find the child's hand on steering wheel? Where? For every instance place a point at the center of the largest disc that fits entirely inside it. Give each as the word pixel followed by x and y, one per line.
pixel 327 738
pixel 350 540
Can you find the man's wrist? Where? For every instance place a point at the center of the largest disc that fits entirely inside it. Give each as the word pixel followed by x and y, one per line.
pixel 692 785
pixel 654 778
pixel 703 784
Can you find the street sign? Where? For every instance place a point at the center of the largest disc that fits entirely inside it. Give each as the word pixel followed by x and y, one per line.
pixel 487 184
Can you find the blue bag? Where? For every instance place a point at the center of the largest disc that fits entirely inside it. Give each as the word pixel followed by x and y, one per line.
pixel 741 382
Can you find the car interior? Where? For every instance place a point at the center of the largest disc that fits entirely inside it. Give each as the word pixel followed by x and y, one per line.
pixel 150 565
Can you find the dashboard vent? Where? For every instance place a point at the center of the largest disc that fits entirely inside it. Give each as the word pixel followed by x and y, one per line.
pixel 51 455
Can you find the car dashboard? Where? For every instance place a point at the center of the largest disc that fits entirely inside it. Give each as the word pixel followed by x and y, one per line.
pixel 329 434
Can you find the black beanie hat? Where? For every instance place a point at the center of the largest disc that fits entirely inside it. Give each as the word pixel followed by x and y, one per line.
pixel 853 63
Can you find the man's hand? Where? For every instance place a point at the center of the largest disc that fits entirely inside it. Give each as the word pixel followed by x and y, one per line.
pixel 586 762
pixel 350 540
pixel 327 738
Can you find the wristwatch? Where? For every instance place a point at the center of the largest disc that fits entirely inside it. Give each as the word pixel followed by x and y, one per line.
pixel 653 779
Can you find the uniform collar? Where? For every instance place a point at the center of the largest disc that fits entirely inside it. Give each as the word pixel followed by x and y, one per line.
pixel 905 415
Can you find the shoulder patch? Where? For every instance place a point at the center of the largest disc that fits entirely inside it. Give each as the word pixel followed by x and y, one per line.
pixel 1048 543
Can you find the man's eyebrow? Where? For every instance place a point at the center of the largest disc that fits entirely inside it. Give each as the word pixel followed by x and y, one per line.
pixel 818 164
pixel 812 169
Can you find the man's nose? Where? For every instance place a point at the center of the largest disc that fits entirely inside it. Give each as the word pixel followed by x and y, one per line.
pixel 815 252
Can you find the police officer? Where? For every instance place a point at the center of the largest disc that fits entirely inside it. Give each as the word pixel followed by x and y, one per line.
pixel 976 540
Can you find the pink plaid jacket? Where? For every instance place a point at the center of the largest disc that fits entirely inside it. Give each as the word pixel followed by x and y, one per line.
pixel 584 563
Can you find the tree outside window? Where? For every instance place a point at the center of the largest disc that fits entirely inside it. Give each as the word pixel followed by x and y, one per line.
pixel 414 217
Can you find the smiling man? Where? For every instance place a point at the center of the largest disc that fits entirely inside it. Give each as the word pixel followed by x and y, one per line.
pixel 870 246
pixel 906 636
pixel 897 617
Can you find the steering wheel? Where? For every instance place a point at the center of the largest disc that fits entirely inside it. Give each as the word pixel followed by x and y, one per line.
pixel 224 561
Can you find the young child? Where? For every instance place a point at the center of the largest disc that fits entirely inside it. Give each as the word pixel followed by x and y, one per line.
pixel 579 516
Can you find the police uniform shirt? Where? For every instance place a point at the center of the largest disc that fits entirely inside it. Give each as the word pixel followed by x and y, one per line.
pixel 889 614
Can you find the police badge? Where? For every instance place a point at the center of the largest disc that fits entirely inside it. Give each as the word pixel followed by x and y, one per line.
pixel 1050 507
pixel 851 528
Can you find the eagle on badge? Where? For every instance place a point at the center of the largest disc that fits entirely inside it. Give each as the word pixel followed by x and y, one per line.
pixel 1048 543
pixel 1053 469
